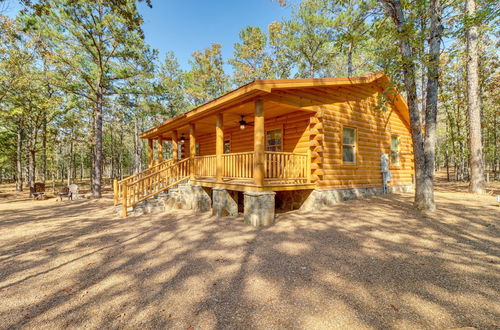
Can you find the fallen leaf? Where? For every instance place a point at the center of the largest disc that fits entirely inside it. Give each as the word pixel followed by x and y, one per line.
pixel 394 307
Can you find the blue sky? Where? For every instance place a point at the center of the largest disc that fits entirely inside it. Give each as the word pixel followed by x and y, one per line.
pixel 184 26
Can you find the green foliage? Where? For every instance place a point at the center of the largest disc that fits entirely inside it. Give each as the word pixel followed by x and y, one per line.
pixel 64 62
pixel 251 62
pixel 206 80
pixel 171 84
pixel 309 36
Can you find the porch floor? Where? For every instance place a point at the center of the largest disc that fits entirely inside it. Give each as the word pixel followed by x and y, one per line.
pixel 248 185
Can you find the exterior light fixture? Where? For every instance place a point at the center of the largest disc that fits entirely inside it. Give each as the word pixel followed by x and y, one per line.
pixel 183 138
pixel 242 123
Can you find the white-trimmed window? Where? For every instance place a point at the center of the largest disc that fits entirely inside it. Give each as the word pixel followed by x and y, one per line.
pixel 394 150
pixel 349 139
pixel 274 140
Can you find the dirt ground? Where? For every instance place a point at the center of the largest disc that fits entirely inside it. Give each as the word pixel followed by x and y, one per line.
pixel 372 263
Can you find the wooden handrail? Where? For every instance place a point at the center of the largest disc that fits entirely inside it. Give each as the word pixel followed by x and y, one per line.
pixel 117 188
pixel 285 153
pixel 280 167
pixel 146 186
pixel 150 169
pixel 155 173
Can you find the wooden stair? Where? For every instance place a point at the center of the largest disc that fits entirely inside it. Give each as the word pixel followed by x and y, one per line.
pixel 149 183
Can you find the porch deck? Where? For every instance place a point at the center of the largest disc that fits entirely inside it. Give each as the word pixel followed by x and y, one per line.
pixel 282 171
pixel 248 185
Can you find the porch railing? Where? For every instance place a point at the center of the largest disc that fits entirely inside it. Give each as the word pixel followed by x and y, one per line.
pixel 238 165
pixel 205 166
pixel 118 185
pixel 280 167
pixel 287 167
pixel 132 192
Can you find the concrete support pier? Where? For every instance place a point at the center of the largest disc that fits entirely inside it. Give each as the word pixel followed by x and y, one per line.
pixel 259 208
pixel 201 199
pixel 224 203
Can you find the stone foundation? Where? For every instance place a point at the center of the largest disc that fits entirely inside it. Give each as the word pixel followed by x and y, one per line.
pixel 201 199
pixel 180 197
pixel 259 208
pixel 225 203
pixel 320 198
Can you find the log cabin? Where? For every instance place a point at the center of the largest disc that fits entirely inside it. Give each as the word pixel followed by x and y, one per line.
pixel 280 144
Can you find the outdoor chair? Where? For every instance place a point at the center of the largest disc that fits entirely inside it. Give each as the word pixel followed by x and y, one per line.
pixel 70 191
pixel 38 191
pixel 73 190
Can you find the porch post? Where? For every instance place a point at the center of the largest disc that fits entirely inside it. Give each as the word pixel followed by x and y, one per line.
pixel 159 147
pixel 219 147
pixel 259 144
pixel 192 149
pixel 150 152
pixel 175 148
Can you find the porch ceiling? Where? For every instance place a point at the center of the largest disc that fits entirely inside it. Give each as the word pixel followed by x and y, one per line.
pixel 279 95
pixel 231 117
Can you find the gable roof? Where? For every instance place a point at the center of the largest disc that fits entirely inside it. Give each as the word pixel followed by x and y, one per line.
pixel 265 87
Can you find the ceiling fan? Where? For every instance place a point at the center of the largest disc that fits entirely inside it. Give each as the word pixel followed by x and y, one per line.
pixel 243 123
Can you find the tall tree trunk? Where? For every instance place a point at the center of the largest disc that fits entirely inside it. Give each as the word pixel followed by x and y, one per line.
pixel 137 148
pixel 81 163
pixel 70 162
pixel 19 159
pixel 477 184
pixel 43 173
pixel 349 60
pixel 496 160
pixel 436 30
pixel 27 168
pixel 120 156
pixel 97 165
pixel 112 157
pixel 424 197
pixel 32 162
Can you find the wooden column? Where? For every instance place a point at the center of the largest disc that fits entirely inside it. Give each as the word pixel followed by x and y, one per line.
pixel 124 199
pixel 219 146
pixel 192 149
pixel 150 152
pixel 115 192
pixel 259 144
pixel 159 147
pixel 175 147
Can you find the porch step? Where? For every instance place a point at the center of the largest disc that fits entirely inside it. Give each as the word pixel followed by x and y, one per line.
pixel 152 205
pixel 160 203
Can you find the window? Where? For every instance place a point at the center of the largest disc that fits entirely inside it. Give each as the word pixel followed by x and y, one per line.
pixel 227 146
pixel 394 149
pixel 197 149
pixel 349 145
pixel 273 140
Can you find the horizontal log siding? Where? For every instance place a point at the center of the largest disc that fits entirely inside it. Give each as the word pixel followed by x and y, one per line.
pixel 357 107
pixel 295 135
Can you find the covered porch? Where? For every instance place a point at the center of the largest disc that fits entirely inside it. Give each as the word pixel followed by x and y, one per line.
pixel 255 145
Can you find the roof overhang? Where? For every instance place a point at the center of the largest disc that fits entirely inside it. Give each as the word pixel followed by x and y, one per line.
pixel 264 89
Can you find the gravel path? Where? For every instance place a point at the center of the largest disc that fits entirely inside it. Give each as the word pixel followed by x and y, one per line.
pixel 373 263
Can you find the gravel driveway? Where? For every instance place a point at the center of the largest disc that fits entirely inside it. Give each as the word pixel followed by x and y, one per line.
pixel 373 263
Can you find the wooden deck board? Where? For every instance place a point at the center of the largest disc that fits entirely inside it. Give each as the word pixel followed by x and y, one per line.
pixel 247 185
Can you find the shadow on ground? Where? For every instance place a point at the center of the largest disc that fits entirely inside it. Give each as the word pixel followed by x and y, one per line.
pixel 373 263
